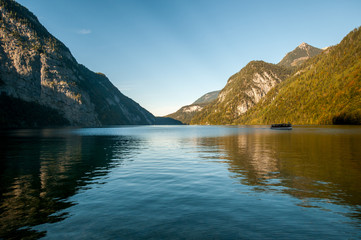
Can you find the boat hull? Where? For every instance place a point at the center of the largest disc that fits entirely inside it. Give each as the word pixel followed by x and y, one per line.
pixel 281 128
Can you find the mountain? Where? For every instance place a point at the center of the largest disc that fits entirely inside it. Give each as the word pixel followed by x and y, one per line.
pixel 207 98
pixel 242 91
pixel 186 113
pixel 326 89
pixel 299 55
pixel 39 77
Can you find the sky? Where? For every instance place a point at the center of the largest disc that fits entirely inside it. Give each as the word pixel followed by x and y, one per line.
pixel 165 54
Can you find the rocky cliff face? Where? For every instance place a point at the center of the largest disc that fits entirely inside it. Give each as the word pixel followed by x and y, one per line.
pixel 36 67
pixel 242 91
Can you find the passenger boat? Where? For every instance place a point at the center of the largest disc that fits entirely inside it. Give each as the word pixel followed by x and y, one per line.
pixel 282 126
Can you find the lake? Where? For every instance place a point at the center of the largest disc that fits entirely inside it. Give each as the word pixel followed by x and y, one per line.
pixel 181 182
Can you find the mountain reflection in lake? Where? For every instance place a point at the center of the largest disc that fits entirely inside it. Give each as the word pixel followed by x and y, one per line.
pixel 308 163
pixel 40 170
pixel 181 182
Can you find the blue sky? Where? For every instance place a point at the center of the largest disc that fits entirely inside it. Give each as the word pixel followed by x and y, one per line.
pixel 164 54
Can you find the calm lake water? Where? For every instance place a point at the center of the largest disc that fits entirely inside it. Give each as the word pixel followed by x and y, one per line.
pixel 181 182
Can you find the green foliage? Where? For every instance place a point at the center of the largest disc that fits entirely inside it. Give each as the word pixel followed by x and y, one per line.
pixel 326 89
pixel 17 113
pixel 347 118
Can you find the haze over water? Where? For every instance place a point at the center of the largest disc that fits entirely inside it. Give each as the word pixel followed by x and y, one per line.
pixel 181 182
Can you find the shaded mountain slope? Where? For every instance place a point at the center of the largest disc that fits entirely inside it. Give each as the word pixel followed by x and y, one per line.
pixel 36 67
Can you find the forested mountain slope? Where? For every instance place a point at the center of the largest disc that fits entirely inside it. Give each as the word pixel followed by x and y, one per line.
pixel 326 89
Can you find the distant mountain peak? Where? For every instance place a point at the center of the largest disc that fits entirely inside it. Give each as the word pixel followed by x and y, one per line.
pixel 300 54
pixel 303 46
pixel 186 113
pixel 207 98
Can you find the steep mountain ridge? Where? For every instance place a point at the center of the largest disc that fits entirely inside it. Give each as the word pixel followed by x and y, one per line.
pixel 326 89
pixel 242 91
pixel 36 67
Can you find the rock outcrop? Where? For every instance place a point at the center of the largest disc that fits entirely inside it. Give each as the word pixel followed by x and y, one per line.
pixel 242 91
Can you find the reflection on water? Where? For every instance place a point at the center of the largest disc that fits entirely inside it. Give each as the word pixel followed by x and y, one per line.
pixel 181 182
pixel 39 174
pixel 305 164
